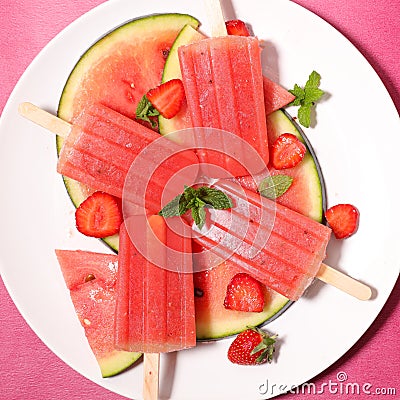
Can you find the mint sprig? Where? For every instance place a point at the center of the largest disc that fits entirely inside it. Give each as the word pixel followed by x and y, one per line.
pixel 196 200
pixel 145 110
pixel 307 97
pixel 275 186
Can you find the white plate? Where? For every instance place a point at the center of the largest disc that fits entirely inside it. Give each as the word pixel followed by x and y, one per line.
pixel 38 215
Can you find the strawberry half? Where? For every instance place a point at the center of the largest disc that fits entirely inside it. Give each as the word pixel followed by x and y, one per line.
pixel 244 293
pixel 167 98
pixel 251 347
pixel 343 219
pixel 237 27
pixel 99 215
pixel 287 151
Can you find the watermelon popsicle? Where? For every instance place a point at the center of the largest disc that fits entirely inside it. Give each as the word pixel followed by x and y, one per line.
pixel 155 295
pixel 223 84
pixel 279 247
pixel 101 145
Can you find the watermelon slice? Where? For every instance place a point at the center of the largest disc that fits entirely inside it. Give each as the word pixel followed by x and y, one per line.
pixel 213 320
pixel 91 279
pixel 275 96
pixel 117 71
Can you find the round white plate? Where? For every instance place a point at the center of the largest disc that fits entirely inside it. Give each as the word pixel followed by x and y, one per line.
pixel 37 215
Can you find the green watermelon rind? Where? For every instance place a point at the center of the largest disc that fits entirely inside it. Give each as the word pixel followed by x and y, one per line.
pixel 117 362
pixel 75 190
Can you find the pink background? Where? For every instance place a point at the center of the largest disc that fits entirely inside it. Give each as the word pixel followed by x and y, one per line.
pixel 29 370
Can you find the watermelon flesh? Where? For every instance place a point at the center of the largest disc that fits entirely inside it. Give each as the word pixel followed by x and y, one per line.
pixel 91 280
pixel 275 96
pixel 123 65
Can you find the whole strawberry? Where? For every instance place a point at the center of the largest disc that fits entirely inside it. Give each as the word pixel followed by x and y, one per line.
pixel 251 347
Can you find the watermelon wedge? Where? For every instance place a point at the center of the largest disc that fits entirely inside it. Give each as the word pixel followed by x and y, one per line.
pixel 117 71
pixel 275 96
pixel 91 279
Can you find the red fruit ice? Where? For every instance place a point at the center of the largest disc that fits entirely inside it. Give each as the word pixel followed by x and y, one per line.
pixel 244 293
pixel 99 215
pixel 343 219
pixel 287 151
pixel 167 98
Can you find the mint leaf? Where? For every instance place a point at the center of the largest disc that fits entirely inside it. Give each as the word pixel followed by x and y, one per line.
pixel 145 109
pixel 199 215
pixel 275 186
pixel 313 81
pixel 175 207
pixel 307 97
pixel 196 200
pixel 304 115
pixel 215 198
pixel 299 93
pixel 312 95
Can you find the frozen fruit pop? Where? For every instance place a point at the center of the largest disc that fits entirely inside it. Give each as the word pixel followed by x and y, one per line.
pixel 281 248
pixel 101 145
pixel 223 84
pixel 155 304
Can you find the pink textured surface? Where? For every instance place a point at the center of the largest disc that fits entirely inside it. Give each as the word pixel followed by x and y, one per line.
pixel 29 369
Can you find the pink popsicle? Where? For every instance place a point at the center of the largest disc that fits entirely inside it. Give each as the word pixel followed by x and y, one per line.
pixel 155 306
pixel 103 144
pixel 224 89
pixel 279 247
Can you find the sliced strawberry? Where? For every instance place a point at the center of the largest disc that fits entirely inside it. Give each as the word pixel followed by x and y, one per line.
pixel 167 98
pixel 343 219
pixel 237 27
pixel 287 151
pixel 244 293
pixel 99 215
pixel 251 347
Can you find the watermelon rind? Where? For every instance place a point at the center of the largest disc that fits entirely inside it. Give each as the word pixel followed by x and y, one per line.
pixel 117 362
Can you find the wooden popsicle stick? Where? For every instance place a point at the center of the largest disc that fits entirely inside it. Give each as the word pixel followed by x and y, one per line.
pixel 150 376
pixel 45 119
pixel 216 18
pixel 344 282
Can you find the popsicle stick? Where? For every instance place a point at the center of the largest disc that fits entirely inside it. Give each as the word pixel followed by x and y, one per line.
pixel 150 377
pixel 344 282
pixel 45 119
pixel 216 18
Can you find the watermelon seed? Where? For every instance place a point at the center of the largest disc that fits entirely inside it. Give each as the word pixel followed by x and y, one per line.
pixel 86 321
pixel 89 278
pixel 198 292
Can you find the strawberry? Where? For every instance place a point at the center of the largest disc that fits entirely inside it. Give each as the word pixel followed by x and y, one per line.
pixel 251 347
pixel 167 98
pixel 343 219
pixel 99 215
pixel 237 28
pixel 287 151
pixel 244 293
